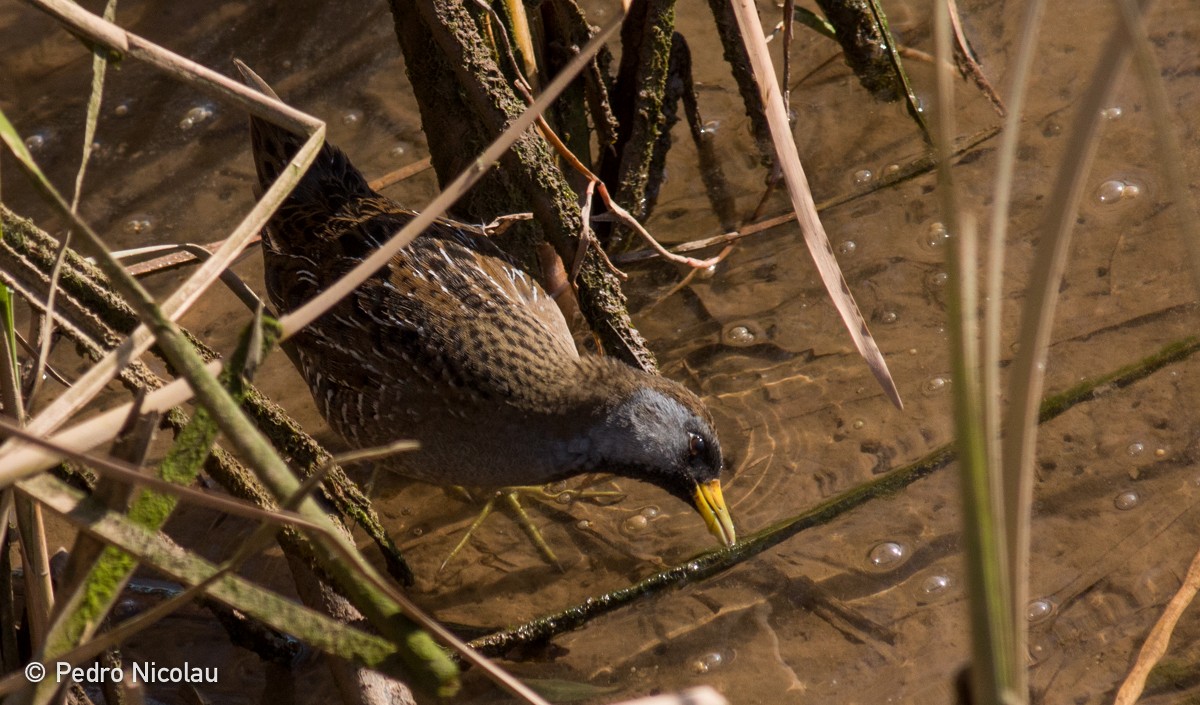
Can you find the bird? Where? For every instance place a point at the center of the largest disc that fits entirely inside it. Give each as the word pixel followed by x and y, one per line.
pixel 456 346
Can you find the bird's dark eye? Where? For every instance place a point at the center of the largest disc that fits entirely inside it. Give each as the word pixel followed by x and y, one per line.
pixel 696 445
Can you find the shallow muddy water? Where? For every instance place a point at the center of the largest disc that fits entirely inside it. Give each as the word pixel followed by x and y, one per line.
pixel 867 608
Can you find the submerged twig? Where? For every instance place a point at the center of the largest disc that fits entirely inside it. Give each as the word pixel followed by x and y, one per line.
pixel 1159 638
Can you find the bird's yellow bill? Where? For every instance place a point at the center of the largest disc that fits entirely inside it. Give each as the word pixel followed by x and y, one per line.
pixel 711 506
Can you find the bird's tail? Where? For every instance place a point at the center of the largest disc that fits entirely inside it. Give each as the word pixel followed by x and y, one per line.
pixel 324 191
pixel 273 145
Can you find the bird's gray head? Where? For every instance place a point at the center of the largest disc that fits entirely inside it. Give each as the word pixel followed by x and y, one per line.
pixel 661 433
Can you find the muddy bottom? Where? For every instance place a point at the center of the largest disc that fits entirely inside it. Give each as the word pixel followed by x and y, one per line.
pixel 867 608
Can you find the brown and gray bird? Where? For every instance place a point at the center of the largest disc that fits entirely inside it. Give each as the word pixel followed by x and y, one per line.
pixel 453 345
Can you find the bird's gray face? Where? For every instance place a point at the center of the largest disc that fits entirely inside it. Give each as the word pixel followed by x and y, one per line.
pixel 651 436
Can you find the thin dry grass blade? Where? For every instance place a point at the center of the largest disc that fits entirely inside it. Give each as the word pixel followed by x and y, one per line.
pixel 1002 190
pixel 35 556
pixel 1026 382
pixel 99 67
pixel 802 200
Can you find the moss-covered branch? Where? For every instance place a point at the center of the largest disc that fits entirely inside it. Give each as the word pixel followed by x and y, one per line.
pixel 465 103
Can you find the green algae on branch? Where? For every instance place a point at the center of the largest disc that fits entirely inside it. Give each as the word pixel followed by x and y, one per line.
pixel 714 562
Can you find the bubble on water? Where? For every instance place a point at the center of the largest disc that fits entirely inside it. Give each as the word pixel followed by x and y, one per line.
pixel 1113 113
pixel 1135 449
pixel 863 176
pixel 563 498
pixel 351 118
pixel 858 423
pixel 708 272
pixel 1115 190
pixel 1041 647
pixel 889 317
pixel 650 512
pixel 635 523
pixel 1051 129
pixel 935 385
pixel 742 334
pixel 195 116
pixel 935 236
pixel 35 142
pixel 583 525
pixel 847 247
pixel 940 279
pixel 1110 191
pixel 1127 500
pixel 887 554
pixel 936 584
pixel 418 531
pixel 708 662
pixel 139 224
pixel 1039 610
pixel 710 127
pixel 122 109
pixel 889 171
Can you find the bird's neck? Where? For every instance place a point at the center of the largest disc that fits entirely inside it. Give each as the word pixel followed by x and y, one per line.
pixel 585 401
